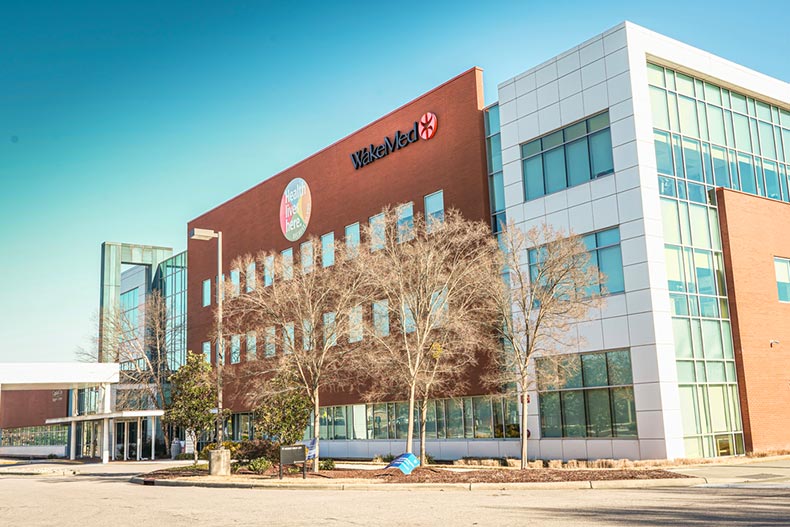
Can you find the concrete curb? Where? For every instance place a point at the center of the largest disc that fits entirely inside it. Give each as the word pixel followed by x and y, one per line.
pixel 38 473
pixel 549 485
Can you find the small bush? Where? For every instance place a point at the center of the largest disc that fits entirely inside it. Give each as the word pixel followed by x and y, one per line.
pixel 429 459
pixel 326 464
pixel 260 465
pixel 389 458
pixel 183 456
pixel 535 463
pixel 52 456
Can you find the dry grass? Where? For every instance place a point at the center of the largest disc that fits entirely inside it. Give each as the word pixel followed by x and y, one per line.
pixel 619 464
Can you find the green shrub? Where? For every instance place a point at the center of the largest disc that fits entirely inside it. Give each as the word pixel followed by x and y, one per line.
pixel 389 458
pixel 184 456
pixel 327 464
pixel 429 459
pixel 260 465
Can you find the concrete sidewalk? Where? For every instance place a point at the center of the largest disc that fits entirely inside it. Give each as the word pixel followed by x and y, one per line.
pixel 76 468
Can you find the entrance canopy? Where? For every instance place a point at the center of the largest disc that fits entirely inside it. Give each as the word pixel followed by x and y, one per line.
pixel 56 375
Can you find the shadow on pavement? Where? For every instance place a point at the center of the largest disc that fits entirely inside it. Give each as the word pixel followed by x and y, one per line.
pixel 753 507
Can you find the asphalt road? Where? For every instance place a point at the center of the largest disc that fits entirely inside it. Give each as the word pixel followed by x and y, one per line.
pixel 108 499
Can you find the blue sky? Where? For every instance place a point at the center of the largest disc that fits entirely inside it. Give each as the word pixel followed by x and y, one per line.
pixel 123 120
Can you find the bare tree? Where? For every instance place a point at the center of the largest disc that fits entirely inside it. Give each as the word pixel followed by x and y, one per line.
pixel 140 340
pixel 433 281
pixel 551 284
pixel 301 318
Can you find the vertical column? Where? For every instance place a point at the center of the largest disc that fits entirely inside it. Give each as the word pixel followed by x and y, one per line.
pixel 152 426
pixel 73 441
pixel 126 440
pixel 139 448
pixel 105 441
pixel 113 439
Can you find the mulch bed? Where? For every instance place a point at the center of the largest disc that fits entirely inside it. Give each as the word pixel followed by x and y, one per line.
pixel 440 475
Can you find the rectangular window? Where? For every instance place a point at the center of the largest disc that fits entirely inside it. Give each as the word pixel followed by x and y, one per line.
pixel 206 293
pixel 207 352
pixel 330 333
pixel 328 249
pixel 235 280
pixel 407 316
pixel 434 208
pixel 288 338
pixel 377 232
pixel 235 349
pixel 250 278
pixel 381 318
pixel 288 263
pixel 355 324
pixel 782 267
pixel 306 256
pixel 604 248
pixel 268 270
pixel 568 157
pixel 405 222
pixel 269 342
pixel 307 335
pixel 251 345
pixel 352 239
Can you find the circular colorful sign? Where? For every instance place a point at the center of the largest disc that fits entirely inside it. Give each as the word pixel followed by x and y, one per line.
pixel 427 125
pixel 295 209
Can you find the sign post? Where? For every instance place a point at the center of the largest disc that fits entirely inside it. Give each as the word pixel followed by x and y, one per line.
pixel 293 455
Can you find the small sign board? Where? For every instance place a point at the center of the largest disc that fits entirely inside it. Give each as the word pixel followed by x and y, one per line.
pixel 405 463
pixel 293 455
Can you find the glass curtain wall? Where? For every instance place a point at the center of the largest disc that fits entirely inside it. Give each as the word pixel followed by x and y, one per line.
pixel 172 283
pixel 482 417
pixel 707 136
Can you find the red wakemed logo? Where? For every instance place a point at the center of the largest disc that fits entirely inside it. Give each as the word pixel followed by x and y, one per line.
pixel 427 125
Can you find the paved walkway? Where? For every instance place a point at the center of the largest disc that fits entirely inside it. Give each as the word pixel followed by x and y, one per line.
pixel 752 473
pixel 72 468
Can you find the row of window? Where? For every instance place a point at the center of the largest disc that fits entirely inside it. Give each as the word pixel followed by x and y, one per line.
pixel 696 108
pixel 604 249
pixel 713 165
pixel 595 398
pixel 288 336
pixel 49 435
pixel 482 417
pixel 434 211
pixel 496 185
pixel 568 157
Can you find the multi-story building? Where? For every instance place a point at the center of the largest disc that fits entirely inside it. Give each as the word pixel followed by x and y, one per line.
pixel 672 164
pixel 624 139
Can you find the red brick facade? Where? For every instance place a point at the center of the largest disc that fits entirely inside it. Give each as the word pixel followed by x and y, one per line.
pixel 31 407
pixel 453 160
pixel 754 231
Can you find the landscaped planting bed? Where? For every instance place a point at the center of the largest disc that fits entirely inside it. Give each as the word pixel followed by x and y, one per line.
pixel 440 475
